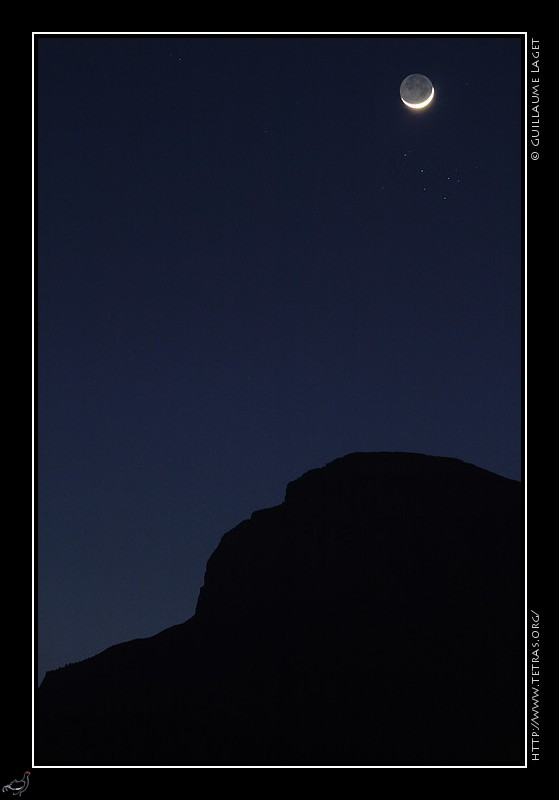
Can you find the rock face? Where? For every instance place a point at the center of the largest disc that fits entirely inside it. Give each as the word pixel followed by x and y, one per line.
pixel 375 618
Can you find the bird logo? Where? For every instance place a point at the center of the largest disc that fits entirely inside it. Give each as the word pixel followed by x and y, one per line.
pixel 17 787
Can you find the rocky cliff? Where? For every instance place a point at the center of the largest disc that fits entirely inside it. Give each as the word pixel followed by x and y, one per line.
pixel 375 617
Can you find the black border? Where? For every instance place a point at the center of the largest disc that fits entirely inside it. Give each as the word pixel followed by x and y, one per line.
pixel 536 199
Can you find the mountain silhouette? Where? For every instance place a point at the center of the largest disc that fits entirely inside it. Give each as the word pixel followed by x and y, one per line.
pixel 374 618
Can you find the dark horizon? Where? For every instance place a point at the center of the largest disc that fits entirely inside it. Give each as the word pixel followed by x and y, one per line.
pixel 299 479
pixel 252 260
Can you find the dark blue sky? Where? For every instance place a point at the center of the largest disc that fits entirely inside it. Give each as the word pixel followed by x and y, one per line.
pixel 253 259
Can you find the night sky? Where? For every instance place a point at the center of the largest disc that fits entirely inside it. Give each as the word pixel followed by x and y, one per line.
pixel 252 259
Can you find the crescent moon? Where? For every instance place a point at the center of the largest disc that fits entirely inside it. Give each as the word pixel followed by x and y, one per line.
pixel 423 104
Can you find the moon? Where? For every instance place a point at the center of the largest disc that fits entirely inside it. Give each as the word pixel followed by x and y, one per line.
pixel 416 91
